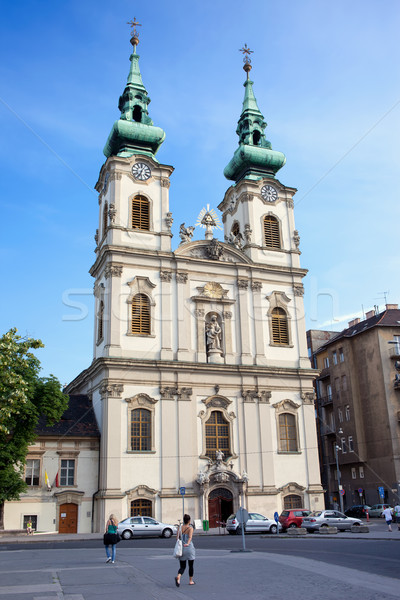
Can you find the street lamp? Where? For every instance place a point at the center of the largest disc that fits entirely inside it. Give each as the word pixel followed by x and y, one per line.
pixel 338 472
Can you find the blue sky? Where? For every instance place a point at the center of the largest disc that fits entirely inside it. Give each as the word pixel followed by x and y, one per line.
pixel 325 77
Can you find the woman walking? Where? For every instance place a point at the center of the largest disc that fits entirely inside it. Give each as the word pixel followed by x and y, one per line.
pixel 110 538
pixel 188 551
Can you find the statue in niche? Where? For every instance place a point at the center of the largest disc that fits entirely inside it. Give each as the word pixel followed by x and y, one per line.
pixel 186 233
pixel 235 239
pixel 213 334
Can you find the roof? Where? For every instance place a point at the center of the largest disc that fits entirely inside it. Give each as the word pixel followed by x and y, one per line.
pixel 387 318
pixel 78 420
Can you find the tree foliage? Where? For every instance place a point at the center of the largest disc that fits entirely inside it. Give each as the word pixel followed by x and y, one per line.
pixel 24 397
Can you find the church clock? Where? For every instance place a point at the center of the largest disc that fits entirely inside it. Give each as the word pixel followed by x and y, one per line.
pixel 269 193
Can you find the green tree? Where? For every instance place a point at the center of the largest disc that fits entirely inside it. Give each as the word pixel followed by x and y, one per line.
pixel 24 398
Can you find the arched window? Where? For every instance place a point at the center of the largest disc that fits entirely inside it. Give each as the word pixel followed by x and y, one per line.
pixel 217 435
pixel 272 236
pixel 292 501
pixel 280 327
pixel 140 213
pixel 105 219
pixel 287 433
pixel 141 322
pixel 141 430
pixel 235 229
pixel 100 321
pixel 141 507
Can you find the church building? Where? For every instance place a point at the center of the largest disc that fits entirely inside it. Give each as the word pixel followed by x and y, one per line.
pixel 200 380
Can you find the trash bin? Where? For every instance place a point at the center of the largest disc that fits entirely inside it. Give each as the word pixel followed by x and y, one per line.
pixel 206 525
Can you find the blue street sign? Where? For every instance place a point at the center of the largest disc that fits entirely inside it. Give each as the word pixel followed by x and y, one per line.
pixel 276 517
pixel 182 491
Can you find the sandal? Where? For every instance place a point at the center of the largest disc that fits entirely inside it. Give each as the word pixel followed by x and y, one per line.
pixel 177 582
pixel 193 583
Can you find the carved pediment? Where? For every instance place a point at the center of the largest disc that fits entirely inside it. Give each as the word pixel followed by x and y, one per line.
pixel 217 402
pixel 205 250
pixel 286 405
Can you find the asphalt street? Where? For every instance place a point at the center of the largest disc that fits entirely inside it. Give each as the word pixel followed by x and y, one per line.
pixel 315 567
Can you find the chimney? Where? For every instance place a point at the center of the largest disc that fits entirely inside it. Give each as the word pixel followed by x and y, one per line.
pixel 370 313
pixel 392 306
pixel 354 322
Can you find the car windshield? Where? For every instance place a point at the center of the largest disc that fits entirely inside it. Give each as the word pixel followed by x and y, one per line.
pixel 257 517
pixel 316 513
pixel 285 513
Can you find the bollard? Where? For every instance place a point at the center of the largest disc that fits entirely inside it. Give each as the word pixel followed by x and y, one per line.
pixel 367 515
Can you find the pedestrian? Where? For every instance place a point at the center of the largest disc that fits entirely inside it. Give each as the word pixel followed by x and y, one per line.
pixel 188 551
pixel 29 528
pixel 387 513
pixel 396 512
pixel 111 538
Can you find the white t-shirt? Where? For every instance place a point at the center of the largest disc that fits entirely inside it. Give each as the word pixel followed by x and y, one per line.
pixel 396 510
pixel 387 513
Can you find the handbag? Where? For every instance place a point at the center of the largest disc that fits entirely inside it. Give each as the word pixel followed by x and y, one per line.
pixel 178 549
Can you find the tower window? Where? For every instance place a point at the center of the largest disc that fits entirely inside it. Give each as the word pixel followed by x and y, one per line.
pixel 105 219
pixel 271 232
pixel 140 213
pixel 141 322
pixel 137 114
pixel 280 327
pixel 141 430
pixel 217 435
pixel 256 138
pixel 287 433
pixel 100 321
pixel 235 229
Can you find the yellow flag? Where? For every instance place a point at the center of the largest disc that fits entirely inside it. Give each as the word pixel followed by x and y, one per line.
pixel 46 478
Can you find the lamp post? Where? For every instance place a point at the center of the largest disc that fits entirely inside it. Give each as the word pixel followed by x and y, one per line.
pixel 338 473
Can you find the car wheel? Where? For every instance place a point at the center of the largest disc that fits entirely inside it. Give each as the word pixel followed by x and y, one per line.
pixel 239 531
pixel 292 526
pixel 127 535
pixel 231 532
pixel 272 529
pixel 167 533
pixel 356 524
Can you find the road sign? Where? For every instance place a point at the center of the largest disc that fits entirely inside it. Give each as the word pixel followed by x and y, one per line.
pixel 182 491
pixel 342 492
pixel 360 490
pixel 276 517
pixel 242 515
pixel 381 491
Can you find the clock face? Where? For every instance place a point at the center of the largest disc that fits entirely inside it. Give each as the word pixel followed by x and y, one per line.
pixel 141 171
pixel 269 193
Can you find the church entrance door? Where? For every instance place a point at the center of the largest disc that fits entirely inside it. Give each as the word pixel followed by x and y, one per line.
pixel 220 506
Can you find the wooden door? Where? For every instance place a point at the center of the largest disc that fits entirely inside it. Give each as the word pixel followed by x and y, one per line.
pixel 68 522
pixel 214 511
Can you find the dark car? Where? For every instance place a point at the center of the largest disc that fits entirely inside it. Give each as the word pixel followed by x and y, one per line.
pixel 360 511
pixel 293 517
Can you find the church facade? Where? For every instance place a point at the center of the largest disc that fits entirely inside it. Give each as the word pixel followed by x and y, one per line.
pixel 200 377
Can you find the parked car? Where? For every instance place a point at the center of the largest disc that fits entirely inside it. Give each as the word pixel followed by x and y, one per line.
pixel 293 517
pixel 328 518
pixel 256 524
pixel 377 509
pixel 144 526
pixel 358 510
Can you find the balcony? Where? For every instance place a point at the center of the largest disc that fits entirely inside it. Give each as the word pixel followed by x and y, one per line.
pixel 328 430
pixel 324 374
pixel 325 400
pixel 394 351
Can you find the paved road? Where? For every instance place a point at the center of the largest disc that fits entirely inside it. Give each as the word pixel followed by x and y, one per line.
pixel 317 568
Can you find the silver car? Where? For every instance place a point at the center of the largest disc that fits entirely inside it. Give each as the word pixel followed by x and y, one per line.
pixel 377 509
pixel 144 527
pixel 328 518
pixel 256 524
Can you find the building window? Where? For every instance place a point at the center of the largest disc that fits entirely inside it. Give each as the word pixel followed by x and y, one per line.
pixel 217 435
pixel 347 412
pixel 140 213
pixel 340 415
pixel 280 327
pixel 105 219
pixel 141 430
pixel 67 472
pixel 329 391
pixel 344 383
pixel 141 322
pixel 235 229
pixel 334 358
pixel 361 472
pixel 292 501
pixel 287 433
pixel 326 362
pixel 351 443
pixel 343 444
pixel 141 508
pixel 32 471
pixel 100 321
pixel 271 232
pixel 32 519
pixel 341 355
pixel 353 473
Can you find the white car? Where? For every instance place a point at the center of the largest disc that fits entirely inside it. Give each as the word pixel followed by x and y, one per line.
pixel 256 524
pixel 319 519
pixel 145 527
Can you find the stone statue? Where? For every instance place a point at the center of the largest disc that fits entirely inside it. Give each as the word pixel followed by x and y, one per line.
pixel 235 240
pixel 219 455
pixel 186 233
pixel 213 334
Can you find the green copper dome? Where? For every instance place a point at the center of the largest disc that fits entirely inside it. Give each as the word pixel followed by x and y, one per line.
pixel 134 132
pixel 254 158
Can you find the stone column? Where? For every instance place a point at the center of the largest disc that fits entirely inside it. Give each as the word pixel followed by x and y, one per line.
pixel 244 317
pixel 258 325
pixel 227 317
pixel 183 315
pixel 166 216
pixel 199 314
pixel 112 311
pixel 166 315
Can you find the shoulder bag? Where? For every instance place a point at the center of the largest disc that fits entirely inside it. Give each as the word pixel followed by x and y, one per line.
pixel 178 549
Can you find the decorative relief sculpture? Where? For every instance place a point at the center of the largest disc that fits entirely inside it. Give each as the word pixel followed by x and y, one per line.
pixel 96 237
pixel 186 233
pixel 256 286
pixel 113 390
pixel 168 392
pixel 165 182
pixel 247 233
pixel 208 219
pixel 166 276
pixel 213 334
pixel 112 211
pixel 199 313
pixel 181 277
pixel 215 249
pixel 113 270
pixel 169 220
pixel 296 239
pixel 298 289
pixel 243 284
pixel 308 397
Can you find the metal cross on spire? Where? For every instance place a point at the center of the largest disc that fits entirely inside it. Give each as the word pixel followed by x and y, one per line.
pixel 246 58
pixel 135 34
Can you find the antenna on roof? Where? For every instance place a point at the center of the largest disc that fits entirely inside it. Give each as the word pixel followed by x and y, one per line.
pixel 363 312
pixel 384 294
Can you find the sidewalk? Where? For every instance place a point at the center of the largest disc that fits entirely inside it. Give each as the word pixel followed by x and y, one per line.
pixel 377 531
